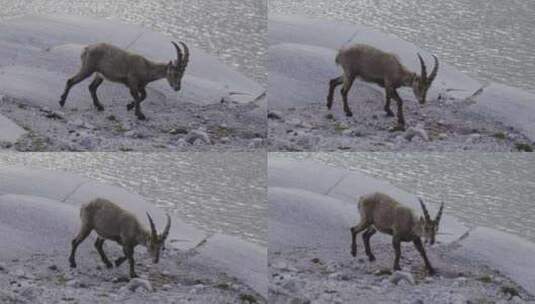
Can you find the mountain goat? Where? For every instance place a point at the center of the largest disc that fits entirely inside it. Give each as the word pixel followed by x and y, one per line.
pixel 384 69
pixel 379 211
pixel 111 222
pixel 135 71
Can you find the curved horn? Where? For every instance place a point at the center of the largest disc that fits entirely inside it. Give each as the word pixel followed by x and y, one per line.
pixel 423 67
pixel 434 72
pixel 185 60
pixel 165 232
pixel 153 233
pixel 178 52
pixel 439 214
pixel 426 213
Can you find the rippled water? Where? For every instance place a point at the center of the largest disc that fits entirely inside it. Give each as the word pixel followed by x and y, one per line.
pixel 233 30
pixel 493 190
pixel 214 191
pixel 488 39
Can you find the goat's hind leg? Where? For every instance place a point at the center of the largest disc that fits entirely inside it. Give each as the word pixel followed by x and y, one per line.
pixel 82 74
pixel 366 238
pixel 82 235
pixel 354 231
pixel 333 83
pixel 388 98
pixel 97 81
pixel 98 244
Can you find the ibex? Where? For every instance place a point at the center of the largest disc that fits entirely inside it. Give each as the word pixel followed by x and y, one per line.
pixel 379 211
pixel 385 69
pixel 135 71
pixel 111 222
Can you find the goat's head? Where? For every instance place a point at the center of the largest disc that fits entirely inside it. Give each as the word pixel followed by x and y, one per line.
pixel 157 241
pixel 429 227
pixel 176 69
pixel 422 83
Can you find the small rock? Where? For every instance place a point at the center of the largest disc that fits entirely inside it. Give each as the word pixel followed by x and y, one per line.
pixel 401 275
pixel 274 115
pixel 81 124
pixel 87 143
pixel 53 267
pixel 120 279
pixel 417 130
pixel 137 283
pixel 181 143
pixel 329 116
pixel 294 122
pixel 224 140
pixel 442 136
pixel 517 300
pixel 347 132
pixel 256 143
pixel 178 130
pixel 279 265
pixel 193 135
pixel 472 138
pixel 19 273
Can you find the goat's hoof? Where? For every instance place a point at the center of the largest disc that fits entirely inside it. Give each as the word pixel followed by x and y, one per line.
pixel 431 272
pixel 389 114
pixel 372 258
pixel 100 108
pixel 140 116
pixel 61 103
pixel 397 128
pixel 397 268
pixel 133 276
pixel 130 106
pixel 349 114
pixel 109 265
pixel 73 265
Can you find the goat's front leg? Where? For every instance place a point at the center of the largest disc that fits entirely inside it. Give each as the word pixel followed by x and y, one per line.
pixel 401 119
pixel 366 238
pixel 396 242
pixel 143 95
pixel 348 82
pixel 418 244
pixel 333 83
pixel 129 252
pixel 97 81
pixel 137 99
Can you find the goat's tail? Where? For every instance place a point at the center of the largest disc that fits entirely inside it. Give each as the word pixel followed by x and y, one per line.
pixel 337 58
pixel 83 56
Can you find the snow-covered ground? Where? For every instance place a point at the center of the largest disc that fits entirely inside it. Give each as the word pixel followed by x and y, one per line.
pixel 312 207
pixel 39 53
pixel 461 113
pixel 39 215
